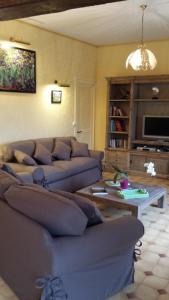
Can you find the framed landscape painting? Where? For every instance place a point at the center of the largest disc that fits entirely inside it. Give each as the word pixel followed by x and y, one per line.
pixel 17 70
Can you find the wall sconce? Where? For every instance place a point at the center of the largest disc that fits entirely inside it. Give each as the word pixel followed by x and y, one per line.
pixel 56 96
pixel 6 44
pixel 13 40
pixel 61 84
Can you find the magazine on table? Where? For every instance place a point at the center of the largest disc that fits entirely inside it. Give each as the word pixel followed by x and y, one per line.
pixel 99 190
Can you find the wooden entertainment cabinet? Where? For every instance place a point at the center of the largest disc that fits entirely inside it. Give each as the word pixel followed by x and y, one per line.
pixel 129 99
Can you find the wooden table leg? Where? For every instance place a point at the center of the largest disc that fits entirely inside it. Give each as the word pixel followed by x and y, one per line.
pixel 162 202
pixel 136 212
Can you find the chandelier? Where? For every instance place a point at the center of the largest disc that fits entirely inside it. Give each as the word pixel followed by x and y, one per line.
pixel 142 59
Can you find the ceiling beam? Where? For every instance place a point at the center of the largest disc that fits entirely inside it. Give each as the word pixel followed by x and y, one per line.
pixel 17 9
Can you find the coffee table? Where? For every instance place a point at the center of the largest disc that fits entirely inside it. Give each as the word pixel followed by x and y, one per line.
pixel 136 206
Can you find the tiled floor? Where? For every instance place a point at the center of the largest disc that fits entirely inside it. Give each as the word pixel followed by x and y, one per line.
pixel 152 268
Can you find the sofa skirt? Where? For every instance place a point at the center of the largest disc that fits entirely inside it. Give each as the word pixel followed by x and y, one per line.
pixel 96 282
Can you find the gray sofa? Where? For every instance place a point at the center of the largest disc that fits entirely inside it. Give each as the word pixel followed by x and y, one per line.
pixel 92 260
pixel 69 175
pixel 38 265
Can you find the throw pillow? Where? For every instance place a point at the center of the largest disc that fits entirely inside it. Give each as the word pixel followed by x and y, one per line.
pixel 6 180
pixel 39 178
pixel 7 168
pixel 87 206
pixel 57 214
pixel 79 149
pixel 23 158
pixel 42 155
pixel 61 151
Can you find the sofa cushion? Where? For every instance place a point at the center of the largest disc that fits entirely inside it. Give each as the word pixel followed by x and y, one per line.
pixel 6 180
pixel 61 151
pixel 88 207
pixel 42 154
pixel 23 158
pixel 61 169
pixel 57 214
pixel 76 165
pixel 51 173
pixel 79 149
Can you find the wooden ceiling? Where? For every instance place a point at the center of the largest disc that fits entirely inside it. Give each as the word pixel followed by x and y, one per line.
pixel 17 9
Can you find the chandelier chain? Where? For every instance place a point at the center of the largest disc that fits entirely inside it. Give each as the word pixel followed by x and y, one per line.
pixel 143 7
pixel 142 59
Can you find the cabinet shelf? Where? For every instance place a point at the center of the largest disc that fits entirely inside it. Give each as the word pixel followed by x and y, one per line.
pixel 150 155
pixel 151 100
pixel 119 100
pixel 119 132
pixel 117 148
pixel 153 143
pixel 119 117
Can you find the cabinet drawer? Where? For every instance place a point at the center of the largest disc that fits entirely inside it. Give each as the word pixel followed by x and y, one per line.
pixel 137 163
pixel 117 158
pixel 161 165
pixel 110 155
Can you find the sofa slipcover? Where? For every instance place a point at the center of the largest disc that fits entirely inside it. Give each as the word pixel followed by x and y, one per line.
pixel 69 175
pixel 93 266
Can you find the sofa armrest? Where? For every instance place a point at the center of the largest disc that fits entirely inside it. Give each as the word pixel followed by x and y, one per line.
pixel 26 252
pixel 110 239
pixel 99 155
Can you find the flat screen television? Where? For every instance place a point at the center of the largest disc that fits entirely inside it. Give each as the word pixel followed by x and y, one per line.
pixel 156 127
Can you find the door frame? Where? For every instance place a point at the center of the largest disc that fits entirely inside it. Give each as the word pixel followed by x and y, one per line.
pixel 91 84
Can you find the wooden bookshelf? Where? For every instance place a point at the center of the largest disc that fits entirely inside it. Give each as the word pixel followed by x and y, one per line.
pixel 133 98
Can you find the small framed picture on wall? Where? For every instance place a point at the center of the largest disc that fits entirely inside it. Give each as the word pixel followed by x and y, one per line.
pixel 56 96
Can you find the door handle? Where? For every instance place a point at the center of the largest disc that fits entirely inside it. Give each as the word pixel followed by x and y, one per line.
pixel 79 131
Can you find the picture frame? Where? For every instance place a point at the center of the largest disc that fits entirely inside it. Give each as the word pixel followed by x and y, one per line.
pixel 17 70
pixel 56 96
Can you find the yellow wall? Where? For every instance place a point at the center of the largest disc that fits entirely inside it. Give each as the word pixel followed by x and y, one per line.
pixel 111 62
pixel 25 116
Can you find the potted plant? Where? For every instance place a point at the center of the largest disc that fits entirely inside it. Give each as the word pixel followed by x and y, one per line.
pixel 121 176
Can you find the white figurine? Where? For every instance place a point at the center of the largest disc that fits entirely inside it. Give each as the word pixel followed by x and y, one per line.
pixel 150 168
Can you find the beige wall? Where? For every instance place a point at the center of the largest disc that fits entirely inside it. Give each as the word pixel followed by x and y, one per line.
pixel 111 62
pixel 25 116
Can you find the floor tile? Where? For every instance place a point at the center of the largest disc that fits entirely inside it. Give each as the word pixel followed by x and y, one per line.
pixel 144 292
pixel 150 257
pixel 161 271
pixel 164 261
pixel 164 297
pixel 139 276
pixel 155 282
pixel 158 249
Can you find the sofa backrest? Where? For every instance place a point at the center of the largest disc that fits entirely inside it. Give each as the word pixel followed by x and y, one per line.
pixel 48 143
pixel 28 146
pixel 7 150
pixel 66 140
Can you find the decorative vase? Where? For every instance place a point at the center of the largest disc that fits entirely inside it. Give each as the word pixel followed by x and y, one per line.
pixel 124 183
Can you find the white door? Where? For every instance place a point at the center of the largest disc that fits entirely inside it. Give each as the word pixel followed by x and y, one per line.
pixel 84 112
